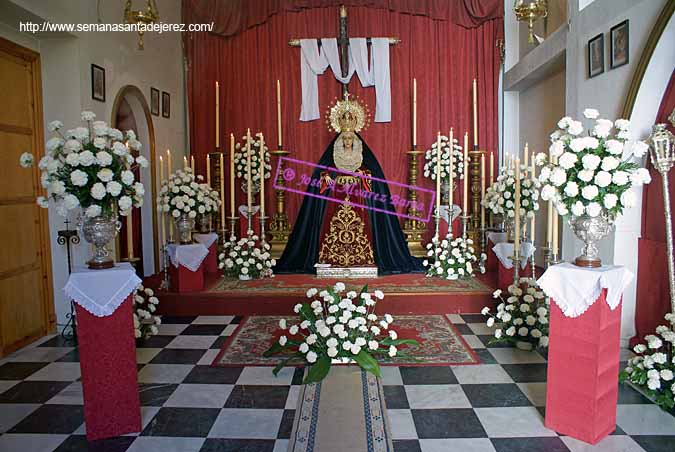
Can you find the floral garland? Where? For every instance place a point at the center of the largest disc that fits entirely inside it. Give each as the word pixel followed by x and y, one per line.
pixel 240 160
pixel 500 196
pixel 523 316
pixel 91 168
pixel 338 326
pixel 145 304
pixel 431 157
pixel 452 258
pixel 182 194
pixel 653 370
pixel 243 259
pixel 590 175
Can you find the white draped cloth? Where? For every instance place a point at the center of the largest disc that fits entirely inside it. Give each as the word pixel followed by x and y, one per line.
pixel 575 289
pixel 101 292
pixel 314 61
pixel 189 256
pixel 206 239
pixel 504 251
pixel 497 237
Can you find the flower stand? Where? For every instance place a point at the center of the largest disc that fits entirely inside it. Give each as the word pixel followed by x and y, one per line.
pixel 210 241
pixel 187 270
pixel 503 252
pixel 107 348
pixel 583 354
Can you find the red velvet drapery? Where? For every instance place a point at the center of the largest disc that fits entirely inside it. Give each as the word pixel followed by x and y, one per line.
pixel 234 16
pixel 653 292
pixel 443 56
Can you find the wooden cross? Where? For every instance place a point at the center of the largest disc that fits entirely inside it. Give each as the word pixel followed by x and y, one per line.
pixel 343 45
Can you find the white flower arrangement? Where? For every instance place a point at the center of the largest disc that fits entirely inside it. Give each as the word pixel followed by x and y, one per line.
pixel 523 316
pixel 341 326
pixel 240 161
pixel 431 157
pixel 653 370
pixel 245 260
pixel 592 174
pixel 145 321
pixel 183 193
pixel 90 168
pixel 501 195
pixel 452 258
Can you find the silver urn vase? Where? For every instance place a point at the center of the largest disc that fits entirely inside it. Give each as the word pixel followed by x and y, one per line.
pixel 255 186
pixel 184 226
pixel 99 231
pixel 590 230
pixel 205 223
pixel 445 190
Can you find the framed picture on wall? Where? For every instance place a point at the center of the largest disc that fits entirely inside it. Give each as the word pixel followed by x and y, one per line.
pixel 618 45
pixel 596 56
pixel 166 104
pixel 97 83
pixel 154 101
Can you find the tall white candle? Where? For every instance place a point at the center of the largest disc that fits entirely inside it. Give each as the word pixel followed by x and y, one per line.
pixel 249 186
pixel 465 190
pixel 162 232
pixel 533 221
pixel 261 171
pixel 217 115
pixel 414 115
pixel 208 170
pixel 279 113
pixel 475 114
pixel 231 176
pixel 516 242
pixel 438 174
pixel 221 161
pixel 452 171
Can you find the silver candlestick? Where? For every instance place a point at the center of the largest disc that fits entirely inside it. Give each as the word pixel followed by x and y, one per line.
pixel 262 219
pixel 533 262
pixel 662 154
pixel 165 284
pixel 437 220
pixel 233 224
pixel 465 224
pixel 516 264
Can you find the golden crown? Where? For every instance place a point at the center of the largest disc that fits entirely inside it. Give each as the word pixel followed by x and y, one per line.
pixel 347 115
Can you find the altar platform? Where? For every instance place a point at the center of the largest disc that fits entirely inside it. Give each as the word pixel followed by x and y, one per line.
pixel 404 294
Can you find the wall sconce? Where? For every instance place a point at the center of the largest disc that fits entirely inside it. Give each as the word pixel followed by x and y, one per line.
pixel 530 12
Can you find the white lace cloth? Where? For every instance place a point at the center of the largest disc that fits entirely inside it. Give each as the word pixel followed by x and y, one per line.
pixel 101 292
pixel 574 289
pixel 189 256
pixel 504 251
pixel 206 239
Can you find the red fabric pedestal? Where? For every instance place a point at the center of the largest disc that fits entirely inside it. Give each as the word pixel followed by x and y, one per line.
pixel 583 371
pixel 184 280
pixel 210 264
pixel 505 275
pixel 109 378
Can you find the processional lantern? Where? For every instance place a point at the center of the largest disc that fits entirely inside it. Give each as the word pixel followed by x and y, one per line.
pixel 149 15
pixel 530 12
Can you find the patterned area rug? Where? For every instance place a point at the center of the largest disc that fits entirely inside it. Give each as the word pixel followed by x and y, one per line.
pixel 294 285
pixel 439 343
pixel 345 412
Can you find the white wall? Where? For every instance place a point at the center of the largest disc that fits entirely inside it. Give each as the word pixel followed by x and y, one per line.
pixel 67 87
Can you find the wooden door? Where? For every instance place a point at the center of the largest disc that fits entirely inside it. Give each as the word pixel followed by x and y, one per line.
pixel 26 299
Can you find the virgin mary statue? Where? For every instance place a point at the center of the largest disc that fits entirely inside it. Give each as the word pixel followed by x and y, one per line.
pixel 347 219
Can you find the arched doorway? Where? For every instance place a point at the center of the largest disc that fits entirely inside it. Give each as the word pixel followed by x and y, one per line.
pixel 131 112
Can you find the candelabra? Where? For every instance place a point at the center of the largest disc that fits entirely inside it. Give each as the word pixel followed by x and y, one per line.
pixel 68 237
pixel 233 224
pixel 165 284
pixel 533 262
pixel 279 227
pixel 515 259
pixel 662 154
pixel 547 255
pixel 530 12
pixel 465 224
pixel 476 195
pixel 437 221
pixel 262 219
pixel 413 228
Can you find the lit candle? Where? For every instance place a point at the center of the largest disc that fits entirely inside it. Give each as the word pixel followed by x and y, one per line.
pixel 532 221
pixel 261 172
pixel 516 241
pixel 549 215
pixel 249 186
pixel 492 167
pixel 217 115
pixel 221 157
pixel 279 112
pixel 168 175
pixel 465 190
pixel 231 175
pixel 452 171
pixel 162 233
pixel 482 190
pixel 168 162
pixel 414 115
pixel 208 170
pixel 527 153
pixel 185 165
pixel 555 222
pixel 192 163
pixel 438 174
pixel 475 114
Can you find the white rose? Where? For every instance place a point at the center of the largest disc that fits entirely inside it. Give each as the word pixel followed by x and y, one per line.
pixel 593 209
pixel 119 148
pixel 609 163
pixel 98 191
pixel 571 189
pixel 578 208
pixel 628 198
pixel 602 128
pixel 640 176
pixel 614 147
pixel 620 178
pixel 103 158
pixel 591 113
pixel 70 202
pixel 556 148
pixel 114 188
pixel 558 177
pixel 73 159
pixel 87 158
pixel 577 144
pixel 591 143
pixel 603 179
pixel 610 200
pixel 124 203
pixel 567 160
pixel 311 357
pixel 127 177
pixel 142 161
pixel 332 352
pixel 589 192
pixel 585 175
pixel 100 143
pixel 590 161
pixel 93 211
pixel 639 149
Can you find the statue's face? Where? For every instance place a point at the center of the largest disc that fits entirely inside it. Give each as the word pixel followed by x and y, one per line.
pixel 348 141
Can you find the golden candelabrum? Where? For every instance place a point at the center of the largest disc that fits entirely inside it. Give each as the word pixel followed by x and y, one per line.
pixel 149 15
pixel 412 228
pixel 214 162
pixel 279 227
pixel 530 12
pixel 475 233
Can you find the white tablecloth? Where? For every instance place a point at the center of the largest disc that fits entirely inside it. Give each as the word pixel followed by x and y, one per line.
pixel 101 292
pixel 574 289
pixel 504 251
pixel 206 239
pixel 189 256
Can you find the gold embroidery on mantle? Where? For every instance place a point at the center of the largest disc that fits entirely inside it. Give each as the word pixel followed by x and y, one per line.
pixel 346 244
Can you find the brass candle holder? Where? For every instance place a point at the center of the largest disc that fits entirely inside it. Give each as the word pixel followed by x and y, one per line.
pixel 279 226
pixel 413 228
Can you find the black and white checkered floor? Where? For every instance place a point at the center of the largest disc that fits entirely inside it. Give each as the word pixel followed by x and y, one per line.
pixel 190 406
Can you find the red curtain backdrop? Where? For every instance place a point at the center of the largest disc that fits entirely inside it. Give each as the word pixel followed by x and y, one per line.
pixel 653 292
pixel 443 56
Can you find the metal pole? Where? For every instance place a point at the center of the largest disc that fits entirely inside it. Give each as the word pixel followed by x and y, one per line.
pixel 669 237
